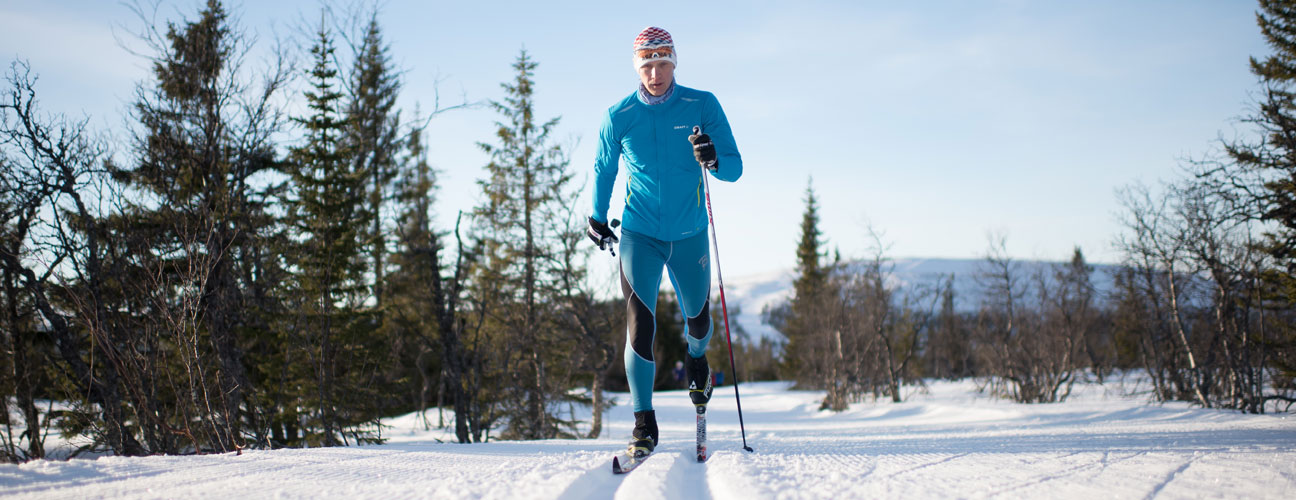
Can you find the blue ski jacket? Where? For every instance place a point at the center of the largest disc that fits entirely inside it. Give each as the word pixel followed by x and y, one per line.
pixel 664 192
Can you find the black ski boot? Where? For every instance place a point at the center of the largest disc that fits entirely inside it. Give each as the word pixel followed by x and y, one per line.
pixel 644 436
pixel 698 373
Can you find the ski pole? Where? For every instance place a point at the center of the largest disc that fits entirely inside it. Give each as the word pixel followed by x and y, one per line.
pixel 706 185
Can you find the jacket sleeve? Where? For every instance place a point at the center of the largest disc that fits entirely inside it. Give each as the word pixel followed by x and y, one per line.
pixel 716 125
pixel 605 168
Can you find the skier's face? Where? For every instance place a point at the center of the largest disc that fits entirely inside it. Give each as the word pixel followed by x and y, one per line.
pixel 656 76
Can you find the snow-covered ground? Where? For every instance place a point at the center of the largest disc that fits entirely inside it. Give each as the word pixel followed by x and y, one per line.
pixel 949 442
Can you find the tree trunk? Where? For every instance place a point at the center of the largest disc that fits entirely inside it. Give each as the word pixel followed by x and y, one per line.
pixel 1182 336
pixel 22 371
pixel 893 374
pixel 379 251
pixel 445 305
pixel 535 409
pixel 425 383
pixel 596 421
pixel 23 375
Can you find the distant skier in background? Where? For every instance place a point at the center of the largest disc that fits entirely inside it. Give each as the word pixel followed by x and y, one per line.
pixel 665 221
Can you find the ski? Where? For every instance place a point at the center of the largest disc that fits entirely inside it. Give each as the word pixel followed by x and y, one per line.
pixel 701 433
pixel 631 462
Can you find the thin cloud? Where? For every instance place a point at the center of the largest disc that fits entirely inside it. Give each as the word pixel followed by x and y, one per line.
pixel 65 45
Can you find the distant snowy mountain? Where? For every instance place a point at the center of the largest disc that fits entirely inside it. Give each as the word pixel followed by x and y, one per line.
pixel 754 293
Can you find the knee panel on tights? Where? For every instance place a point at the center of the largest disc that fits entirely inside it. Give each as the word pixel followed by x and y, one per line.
pixel 640 322
pixel 699 326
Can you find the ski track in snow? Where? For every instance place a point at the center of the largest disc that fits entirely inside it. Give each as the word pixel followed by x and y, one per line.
pixel 946 443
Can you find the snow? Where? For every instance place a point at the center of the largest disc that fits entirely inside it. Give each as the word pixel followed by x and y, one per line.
pixel 948 441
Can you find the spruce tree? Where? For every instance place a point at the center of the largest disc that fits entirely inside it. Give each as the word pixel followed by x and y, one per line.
pixel 810 272
pixel 1274 159
pixel 808 289
pixel 373 136
pixel 1275 154
pixel 377 143
pixel 520 220
pixel 328 214
pixel 203 134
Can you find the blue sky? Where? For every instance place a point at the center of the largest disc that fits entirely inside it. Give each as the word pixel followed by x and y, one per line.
pixel 937 122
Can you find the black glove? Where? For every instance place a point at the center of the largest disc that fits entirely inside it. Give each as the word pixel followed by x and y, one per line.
pixel 704 150
pixel 602 235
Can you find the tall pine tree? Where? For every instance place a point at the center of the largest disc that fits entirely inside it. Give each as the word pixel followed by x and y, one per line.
pixel 808 289
pixel 329 216
pixel 521 222
pixel 204 134
pixel 373 137
pixel 811 275
pixel 1274 158
pixel 1275 154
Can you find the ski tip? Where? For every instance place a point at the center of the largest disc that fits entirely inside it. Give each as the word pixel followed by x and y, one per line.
pixel 616 465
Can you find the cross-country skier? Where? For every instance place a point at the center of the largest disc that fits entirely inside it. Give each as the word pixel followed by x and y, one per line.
pixel 665 221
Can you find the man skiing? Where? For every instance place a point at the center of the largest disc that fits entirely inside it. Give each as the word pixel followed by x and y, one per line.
pixel 663 131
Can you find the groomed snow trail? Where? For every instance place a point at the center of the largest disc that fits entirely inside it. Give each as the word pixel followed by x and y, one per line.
pixel 947 443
